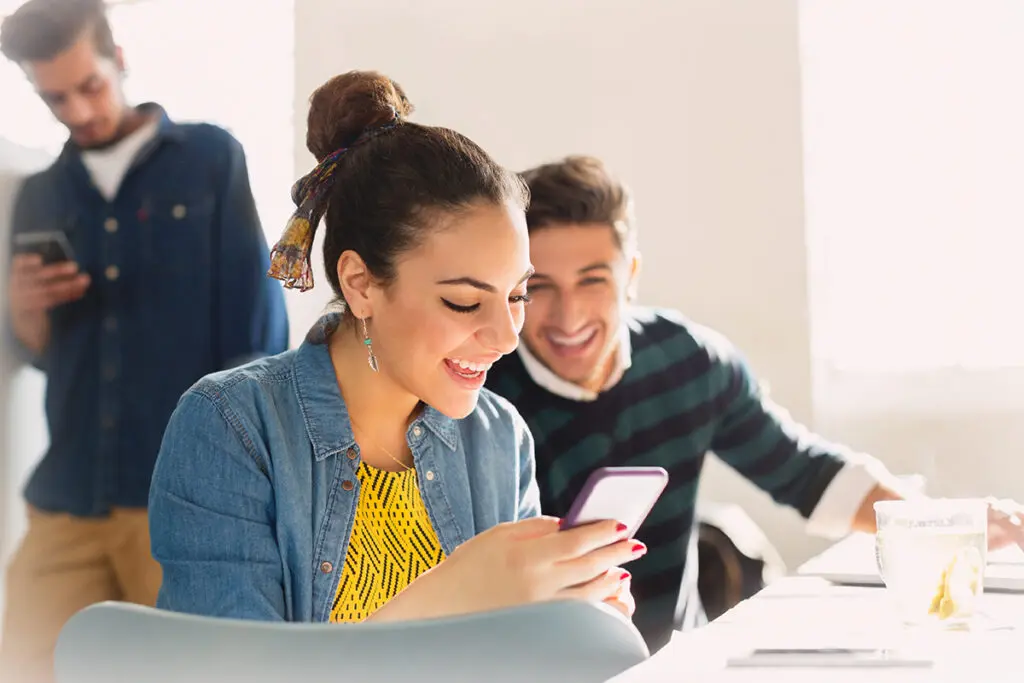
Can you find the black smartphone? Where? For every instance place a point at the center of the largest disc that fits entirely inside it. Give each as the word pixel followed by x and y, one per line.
pixel 52 245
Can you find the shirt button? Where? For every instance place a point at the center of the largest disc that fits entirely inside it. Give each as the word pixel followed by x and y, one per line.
pixel 351 454
pixel 110 225
pixel 326 567
pixel 430 475
pixel 347 485
pixel 179 211
pixel 417 430
pixel 113 272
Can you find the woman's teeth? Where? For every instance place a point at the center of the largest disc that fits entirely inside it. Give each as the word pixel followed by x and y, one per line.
pixel 468 368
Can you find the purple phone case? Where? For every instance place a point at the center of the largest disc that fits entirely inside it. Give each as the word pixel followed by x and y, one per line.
pixel 602 473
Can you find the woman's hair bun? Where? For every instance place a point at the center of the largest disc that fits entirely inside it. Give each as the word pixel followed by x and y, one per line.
pixel 348 105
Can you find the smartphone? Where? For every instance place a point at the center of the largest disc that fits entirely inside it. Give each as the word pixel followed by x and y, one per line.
pixel 625 494
pixel 800 658
pixel 53 245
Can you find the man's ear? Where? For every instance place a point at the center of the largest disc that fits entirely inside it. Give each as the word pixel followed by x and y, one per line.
pixel 355 280
pixel 634 277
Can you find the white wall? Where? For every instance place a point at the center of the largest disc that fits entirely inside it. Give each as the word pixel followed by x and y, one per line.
pixel 23 432
pixel 695 102
pixel 912 139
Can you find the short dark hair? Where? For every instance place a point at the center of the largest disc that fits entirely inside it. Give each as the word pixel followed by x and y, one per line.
pixel 40 30
pixel 580 189
pixel 389 187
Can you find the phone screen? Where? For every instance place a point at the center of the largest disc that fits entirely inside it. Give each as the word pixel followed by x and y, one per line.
pixel 625 494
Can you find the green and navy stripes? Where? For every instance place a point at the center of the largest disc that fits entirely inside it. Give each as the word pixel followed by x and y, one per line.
pixel 688 392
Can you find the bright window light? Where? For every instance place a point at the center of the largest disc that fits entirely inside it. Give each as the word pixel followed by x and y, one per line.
pixel 914 162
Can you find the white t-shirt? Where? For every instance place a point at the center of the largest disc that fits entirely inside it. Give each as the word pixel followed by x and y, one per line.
pixel 107 167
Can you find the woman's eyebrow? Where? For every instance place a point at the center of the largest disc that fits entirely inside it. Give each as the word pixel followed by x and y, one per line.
pixel 479 284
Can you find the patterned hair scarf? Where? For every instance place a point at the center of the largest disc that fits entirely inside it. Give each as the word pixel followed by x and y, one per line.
pixel 290 257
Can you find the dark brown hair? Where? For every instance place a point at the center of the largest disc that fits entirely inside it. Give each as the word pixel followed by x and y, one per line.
pixel 388 188
pixel 40 30
pixel 580 189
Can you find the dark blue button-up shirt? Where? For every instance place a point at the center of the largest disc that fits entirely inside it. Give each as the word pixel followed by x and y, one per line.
pixel 178 290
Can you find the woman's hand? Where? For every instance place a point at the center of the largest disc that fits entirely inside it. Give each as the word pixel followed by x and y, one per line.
pixel 623 598
pixel 524 562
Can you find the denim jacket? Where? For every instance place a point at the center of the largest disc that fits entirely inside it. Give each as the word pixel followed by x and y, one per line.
pixel 177 260
pixel 255 488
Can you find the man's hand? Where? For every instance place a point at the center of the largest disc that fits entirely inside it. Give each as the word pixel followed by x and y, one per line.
pixel 34 290
pixel 1005 518
pixel 1005 523
pixel 865 517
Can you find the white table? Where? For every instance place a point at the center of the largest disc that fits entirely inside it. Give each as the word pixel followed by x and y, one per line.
pixel 803 611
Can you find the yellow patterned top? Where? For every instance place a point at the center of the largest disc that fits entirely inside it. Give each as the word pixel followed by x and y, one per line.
pixel 392 543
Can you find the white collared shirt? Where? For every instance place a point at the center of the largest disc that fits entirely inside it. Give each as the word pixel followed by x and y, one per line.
pixel 543 375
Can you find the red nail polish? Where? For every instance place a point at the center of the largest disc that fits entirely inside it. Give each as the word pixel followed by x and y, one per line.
pixel 639 548
pixel 625 576
pixel 620 527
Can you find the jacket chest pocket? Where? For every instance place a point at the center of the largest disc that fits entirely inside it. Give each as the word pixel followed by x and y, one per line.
pixel 177 231
pixel 178 251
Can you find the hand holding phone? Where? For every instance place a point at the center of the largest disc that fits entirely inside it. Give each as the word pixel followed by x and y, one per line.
pixel 623 494
pixel 526 561
pixel 43 275
pixel 52 246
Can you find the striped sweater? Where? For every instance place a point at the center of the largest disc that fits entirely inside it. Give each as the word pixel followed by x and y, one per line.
pixel 688 392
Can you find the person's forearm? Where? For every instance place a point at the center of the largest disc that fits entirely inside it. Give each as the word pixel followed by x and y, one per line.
pixel 419 600
pixel 32 331
pixel 864 520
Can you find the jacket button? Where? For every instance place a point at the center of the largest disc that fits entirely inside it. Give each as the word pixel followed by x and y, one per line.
pixel 430 476
pixel 326 567
pixel 179 211
pixel 347 485
pixel 112 273
pixel 351 454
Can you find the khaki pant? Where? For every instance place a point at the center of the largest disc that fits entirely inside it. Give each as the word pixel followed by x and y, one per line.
pixel 63 565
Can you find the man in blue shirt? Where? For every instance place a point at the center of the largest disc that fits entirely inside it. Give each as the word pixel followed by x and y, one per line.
pixel 166 284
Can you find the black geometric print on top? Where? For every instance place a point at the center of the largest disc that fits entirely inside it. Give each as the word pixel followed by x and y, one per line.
pixel 392 543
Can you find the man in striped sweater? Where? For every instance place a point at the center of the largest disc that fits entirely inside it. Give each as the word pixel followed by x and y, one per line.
pixel 601 383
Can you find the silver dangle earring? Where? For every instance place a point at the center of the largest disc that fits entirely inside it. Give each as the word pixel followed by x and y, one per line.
pixel 369 346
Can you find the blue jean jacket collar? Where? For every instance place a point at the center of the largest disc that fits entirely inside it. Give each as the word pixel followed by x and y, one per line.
pixel 316 386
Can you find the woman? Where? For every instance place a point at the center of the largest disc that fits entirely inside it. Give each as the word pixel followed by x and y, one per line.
pixel 366 475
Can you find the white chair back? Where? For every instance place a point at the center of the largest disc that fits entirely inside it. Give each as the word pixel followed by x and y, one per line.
pixel 564 642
